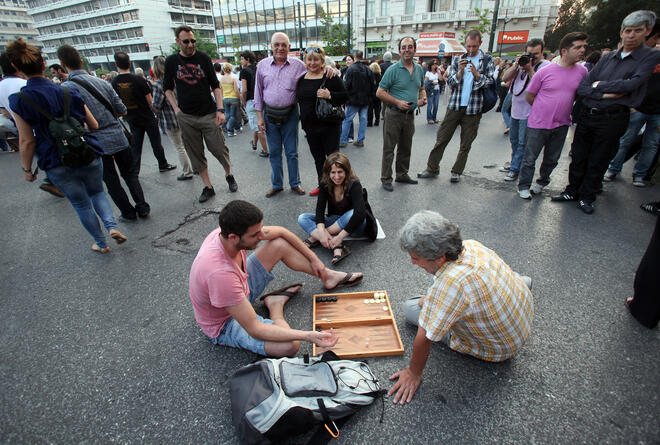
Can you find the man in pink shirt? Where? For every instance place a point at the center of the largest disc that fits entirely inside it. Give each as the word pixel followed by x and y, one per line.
pixel 224 282
pixel 551 94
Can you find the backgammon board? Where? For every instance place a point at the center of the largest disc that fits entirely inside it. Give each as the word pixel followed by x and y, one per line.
pixel 363 320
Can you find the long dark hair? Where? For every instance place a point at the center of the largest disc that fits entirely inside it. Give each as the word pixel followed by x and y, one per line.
pixel 340 160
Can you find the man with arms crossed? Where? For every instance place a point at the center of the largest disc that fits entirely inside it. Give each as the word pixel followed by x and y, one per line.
pixel 476 305
pixel 225 281
pixel 191 73
pixel 402 90
pixel 551 94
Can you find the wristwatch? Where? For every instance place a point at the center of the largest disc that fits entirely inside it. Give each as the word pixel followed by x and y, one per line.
pixel 220 110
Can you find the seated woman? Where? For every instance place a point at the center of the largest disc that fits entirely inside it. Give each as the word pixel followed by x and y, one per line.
pixel 341 192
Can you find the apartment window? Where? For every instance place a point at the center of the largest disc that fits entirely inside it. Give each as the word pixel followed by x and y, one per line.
pixel 371 8
pixel 384 8
pixel 475 4
pixel 441 5
pixel 410 6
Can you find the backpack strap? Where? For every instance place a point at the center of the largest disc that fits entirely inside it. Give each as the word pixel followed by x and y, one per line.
pixel 67 103
pixel 34 105
pixel 95 93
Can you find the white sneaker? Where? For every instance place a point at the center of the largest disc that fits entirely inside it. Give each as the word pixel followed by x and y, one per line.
pixel 527 280
pixel 536 188
pixel 609 176
pixel 524 194
pixel 455 177
pixel 511 176
pixel 639 182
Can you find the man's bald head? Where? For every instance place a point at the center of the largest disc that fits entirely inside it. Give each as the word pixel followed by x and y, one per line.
pixel 279 35
pixel 280 46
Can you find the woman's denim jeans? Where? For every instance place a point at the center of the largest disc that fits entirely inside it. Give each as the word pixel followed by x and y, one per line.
pixel 83 187
pixel 231 111
pixel 308 222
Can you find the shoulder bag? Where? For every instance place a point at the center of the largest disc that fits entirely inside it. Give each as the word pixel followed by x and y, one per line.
pixel 326 111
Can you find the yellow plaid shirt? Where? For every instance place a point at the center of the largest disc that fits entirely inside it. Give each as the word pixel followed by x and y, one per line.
pixel 481 302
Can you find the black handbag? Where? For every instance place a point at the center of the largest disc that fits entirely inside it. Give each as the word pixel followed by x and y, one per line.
pixel 327 112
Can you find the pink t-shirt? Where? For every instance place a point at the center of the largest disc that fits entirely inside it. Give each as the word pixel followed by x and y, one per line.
pixel 555 88
pixel 215 282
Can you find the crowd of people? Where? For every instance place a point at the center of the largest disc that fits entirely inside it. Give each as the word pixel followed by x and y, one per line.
pixel 477 304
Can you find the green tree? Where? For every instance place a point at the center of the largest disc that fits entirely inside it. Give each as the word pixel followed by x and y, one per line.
pixel 334 36
pixel 570 18
pixel 204 45
pixel 604 19
pixel 482 25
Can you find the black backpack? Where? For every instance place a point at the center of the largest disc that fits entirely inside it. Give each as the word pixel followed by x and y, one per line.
pixel 490 92
pixel 66 133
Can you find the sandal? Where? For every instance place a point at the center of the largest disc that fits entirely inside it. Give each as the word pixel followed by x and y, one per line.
pixel 312 243
pixel 117 236
pixel 652 207
pixel 345 251
pixel 346 282
pixel 283 291
pixel 96 248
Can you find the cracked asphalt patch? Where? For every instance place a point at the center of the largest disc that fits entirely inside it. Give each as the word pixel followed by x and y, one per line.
pixel 184 237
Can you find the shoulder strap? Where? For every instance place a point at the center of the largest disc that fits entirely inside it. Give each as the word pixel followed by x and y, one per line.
pixel 67 102
pixel 34 105
pixel 95 93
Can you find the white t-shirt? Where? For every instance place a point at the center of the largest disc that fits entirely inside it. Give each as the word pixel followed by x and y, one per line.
pixel 9 86
pixel 433 78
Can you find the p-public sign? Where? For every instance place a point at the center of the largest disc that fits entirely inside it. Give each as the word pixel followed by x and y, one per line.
pixel 513 37
pixel 437 35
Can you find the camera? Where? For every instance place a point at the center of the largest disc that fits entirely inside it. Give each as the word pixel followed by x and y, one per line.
pixel 525 59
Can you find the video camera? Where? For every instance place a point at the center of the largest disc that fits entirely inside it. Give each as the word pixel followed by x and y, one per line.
pixel 525 59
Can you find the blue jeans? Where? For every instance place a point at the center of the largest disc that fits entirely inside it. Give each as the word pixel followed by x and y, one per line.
pixel 232 333
pixel 518 137
pixel 351 110
pixel 506 110
pixel 231 107
pixel 650 141
pixel 286 135
pixel 83 187
pixel 308 222
pixel 432 107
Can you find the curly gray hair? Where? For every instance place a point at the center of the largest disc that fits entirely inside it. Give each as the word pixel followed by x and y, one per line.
pixel 430 235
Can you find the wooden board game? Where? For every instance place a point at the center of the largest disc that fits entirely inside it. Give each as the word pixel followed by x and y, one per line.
pixel 363 320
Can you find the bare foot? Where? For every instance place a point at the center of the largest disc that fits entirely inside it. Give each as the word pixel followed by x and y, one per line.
pixel 96 248
pixel 117 236
pixel 334 277
pixel 280 300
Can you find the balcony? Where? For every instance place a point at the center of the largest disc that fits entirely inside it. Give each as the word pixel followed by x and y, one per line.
pixel 55 5
pixel 91 30
pixel 87 15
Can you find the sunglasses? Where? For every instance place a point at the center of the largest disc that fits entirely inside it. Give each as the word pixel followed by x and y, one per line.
pixel 313 49
pixel 187 41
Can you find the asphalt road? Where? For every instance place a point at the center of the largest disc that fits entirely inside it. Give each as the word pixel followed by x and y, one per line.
pixel 101 349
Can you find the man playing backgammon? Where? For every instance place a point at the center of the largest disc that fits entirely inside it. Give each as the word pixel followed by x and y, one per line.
pixel 225 281
pixel 477 305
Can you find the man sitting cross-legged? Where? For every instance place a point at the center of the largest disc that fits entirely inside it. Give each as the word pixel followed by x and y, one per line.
pixel 225 281
pixel 476 305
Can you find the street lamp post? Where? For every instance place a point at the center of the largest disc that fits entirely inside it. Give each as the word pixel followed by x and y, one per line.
pixel 506 20
pixel 300 36
pixel 348 35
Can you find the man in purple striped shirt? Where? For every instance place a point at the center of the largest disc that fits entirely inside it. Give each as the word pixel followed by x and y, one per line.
pixel 277 110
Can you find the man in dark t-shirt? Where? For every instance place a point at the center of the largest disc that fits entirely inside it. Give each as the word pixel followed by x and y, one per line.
pixel 191 74
pixel 247 77
pixel 136 95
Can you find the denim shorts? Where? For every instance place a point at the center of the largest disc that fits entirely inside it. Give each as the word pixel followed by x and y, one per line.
pixel 252 115
pixel 232 333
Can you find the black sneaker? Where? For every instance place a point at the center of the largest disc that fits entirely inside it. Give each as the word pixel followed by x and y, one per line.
pixel 206 194
pixel 586 207
pixel 253 145
pixel 388 186
pixel 652 207
pixel 232 183
pixel 166 167
pixel 564 197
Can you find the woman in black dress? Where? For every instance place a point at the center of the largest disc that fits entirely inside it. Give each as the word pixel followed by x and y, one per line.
pixel 322 136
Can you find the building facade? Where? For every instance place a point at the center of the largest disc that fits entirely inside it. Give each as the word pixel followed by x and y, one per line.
pixel 99 28
pixel 15 22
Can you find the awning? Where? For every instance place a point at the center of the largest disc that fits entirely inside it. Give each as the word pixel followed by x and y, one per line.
pixel 430 46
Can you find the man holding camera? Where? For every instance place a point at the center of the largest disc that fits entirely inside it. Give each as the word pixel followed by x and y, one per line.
pixel 471 73
pixel 520 74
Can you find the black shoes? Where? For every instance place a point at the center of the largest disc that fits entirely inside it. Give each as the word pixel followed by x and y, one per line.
pixel 652 207
pixel 388 186
pixel 232 183
pixel 586 207
pixel 564 197
pixel 406 180
pixel 183 177
pixel 263 154
pixel 427 174
pixel 206 194
pixel 359 143
pixel 166 167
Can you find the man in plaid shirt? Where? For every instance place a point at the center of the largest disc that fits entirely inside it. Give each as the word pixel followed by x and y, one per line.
pixel 477 305
pixel 471 73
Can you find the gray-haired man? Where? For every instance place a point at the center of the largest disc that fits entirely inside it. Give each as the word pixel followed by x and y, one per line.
pixel 477 304
pixel 614 86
